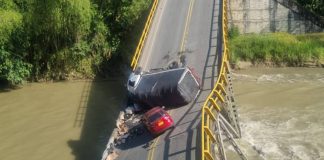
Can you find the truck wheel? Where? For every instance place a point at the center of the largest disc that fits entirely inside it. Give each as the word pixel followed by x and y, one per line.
pixel 173 65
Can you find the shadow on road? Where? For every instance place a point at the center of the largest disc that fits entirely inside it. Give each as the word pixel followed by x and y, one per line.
pixel 192 131
pixel 145 139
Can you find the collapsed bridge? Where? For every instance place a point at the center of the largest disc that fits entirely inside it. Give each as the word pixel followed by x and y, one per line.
pixel 196 31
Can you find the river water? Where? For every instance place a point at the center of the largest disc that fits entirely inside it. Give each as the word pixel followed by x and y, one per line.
pixel 281 112
pixel 63 120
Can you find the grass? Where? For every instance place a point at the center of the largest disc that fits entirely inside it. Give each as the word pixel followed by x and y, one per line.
pixel 278 48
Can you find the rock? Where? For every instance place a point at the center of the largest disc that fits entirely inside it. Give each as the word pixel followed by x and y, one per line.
pixel 114 134
pixel 310 64
pixel 112 156
pixel 122 115
pixel 119 123
pixel 129 110
pixel 243 65
pixel 124 136
pixel 321 63
pixel 120 118
pixel 136 120
pixel 127 116
pixel 118 142
pixel 110 148
pixel 122 129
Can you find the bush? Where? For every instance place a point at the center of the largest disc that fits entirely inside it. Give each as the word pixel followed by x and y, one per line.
pixel 278 48
pixel 12 68
pixel 316 6
pixel 233 32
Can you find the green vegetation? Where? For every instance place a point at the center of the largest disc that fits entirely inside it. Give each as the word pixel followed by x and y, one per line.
pixel 233 32
pixel 316 6
pixel 278 48
pixel 55 39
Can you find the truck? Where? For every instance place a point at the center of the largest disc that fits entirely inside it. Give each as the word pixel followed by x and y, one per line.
pixel 164 87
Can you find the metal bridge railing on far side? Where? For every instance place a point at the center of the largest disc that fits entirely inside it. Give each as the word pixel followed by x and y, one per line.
pixel 141 42
pixel 218 114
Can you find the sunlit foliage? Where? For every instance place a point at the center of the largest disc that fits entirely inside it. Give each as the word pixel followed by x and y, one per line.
pixel 53 39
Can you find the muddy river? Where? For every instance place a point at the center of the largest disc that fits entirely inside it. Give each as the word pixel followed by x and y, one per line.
pixel 64 120
pixel 281 111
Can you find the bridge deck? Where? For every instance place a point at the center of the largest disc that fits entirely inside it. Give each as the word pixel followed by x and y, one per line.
pixel 180 28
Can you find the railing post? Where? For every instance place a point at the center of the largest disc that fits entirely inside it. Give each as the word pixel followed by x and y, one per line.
pixel 215 102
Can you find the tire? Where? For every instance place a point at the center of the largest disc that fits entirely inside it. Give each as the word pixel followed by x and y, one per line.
pixel 173 65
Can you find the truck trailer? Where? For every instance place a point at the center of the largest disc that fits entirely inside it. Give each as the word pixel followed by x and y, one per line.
pixel 169 88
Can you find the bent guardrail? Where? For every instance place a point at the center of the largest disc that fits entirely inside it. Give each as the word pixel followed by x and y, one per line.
pixel 213 124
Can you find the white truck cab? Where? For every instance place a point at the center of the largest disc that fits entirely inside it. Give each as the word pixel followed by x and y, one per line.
pixel 159 87
pixel 133 81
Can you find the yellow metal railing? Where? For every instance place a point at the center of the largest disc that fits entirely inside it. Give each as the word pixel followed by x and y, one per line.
pixel 144 35
pixel 216 98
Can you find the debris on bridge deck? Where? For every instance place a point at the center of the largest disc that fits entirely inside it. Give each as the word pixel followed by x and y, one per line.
pixel 162 87
pixel 128 126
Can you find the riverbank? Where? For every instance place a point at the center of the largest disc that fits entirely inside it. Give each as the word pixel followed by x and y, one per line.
pixel 246 65
pixel 277 49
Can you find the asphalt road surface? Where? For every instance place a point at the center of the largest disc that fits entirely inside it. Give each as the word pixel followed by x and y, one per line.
pixel 181 28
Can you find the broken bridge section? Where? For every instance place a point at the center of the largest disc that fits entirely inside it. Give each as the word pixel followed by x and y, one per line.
pixel 219 117
pixel 199 24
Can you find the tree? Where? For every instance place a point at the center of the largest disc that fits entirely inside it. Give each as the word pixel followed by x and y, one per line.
pixel 316 6
pixel 53 27
pixel 12 66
